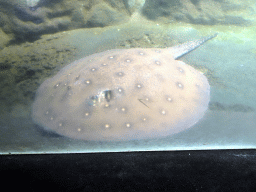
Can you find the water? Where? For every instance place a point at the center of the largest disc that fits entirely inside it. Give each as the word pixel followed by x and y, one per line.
pixel 228 61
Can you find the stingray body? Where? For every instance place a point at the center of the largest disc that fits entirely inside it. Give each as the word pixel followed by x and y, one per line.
pixel 124 94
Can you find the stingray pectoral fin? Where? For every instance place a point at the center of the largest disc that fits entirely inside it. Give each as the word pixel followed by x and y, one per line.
pixel 185 48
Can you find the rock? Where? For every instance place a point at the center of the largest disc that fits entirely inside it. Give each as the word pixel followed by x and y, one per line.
pixel 4 39
pixel 27 20
pixel 24 65
pixel 102 15
pixel 32 3
pixel 200 12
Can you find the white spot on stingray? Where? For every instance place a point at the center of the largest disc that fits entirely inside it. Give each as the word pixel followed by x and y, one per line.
pixel 157 62
pixel 169 99
pixel 128 125
pixel 180 69
pixel 139 86
pixel 107 126
pixel 123 109
pixel 163 112
pixel 179 85
pixel 88 82
pixel 120 90
pixel 57 85
pixel 120 74
pixel 128 60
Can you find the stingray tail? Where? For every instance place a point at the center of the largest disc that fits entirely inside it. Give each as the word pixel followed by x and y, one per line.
pixel 185 48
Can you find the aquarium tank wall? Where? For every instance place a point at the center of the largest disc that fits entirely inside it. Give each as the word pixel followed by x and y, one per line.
pixel 133 75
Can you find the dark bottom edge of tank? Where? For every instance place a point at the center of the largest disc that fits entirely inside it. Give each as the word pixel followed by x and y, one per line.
pixel 208 170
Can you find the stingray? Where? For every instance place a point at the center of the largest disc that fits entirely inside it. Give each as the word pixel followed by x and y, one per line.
pixel 124 94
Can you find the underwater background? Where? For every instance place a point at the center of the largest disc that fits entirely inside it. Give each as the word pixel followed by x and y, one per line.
pixel 38 38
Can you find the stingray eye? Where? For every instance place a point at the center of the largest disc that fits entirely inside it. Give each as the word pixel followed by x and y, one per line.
pixel 104 95
pixel 108 95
